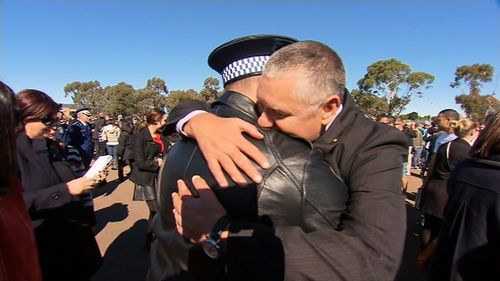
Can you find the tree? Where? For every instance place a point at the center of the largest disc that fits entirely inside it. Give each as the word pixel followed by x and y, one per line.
pixel 121 99
pixel 478 106
pixel 475 105
pixel 371 104
pixel 410 116
pixel 396 82
pixel 159 90
pixel 210 89
pixel 175 97
pixel 473 75
pixel 87 94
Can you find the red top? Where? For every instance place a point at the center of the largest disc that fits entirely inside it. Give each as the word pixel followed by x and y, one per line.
pixel 157 139
pixel 18 252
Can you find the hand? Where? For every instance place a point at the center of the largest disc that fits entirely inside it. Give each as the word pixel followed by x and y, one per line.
pixel 79 185
pixel 102 175
pixel 159 161
pixel 196 217
pixel 222 143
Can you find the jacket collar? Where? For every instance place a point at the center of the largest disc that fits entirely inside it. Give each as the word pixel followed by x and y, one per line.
pixel 145 133
pixel 343 121
pixel 240 103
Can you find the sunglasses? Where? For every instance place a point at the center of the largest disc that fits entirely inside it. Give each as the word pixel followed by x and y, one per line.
pixel 48 121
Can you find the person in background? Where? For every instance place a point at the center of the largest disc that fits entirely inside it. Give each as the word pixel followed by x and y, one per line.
pixel 449 155
pixel 467 247
pixel 125 146
pixel 148 146
pixel 100 146
pixel 417 146
pixel 445 118
pixel 119 120
pixel 18 251
pixel 66 245
pixel 80 135
pixel 400 126
pixel 408 130
pixel 62 134
pixel 430 137
pixel 386 119
pixel 111 134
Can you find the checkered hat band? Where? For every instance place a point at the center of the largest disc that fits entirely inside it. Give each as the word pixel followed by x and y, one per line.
pixel 243 67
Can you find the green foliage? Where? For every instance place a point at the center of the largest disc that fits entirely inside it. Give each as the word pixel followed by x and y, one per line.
pixel 394 80
pixel 121 99
pixel 87 94
pixel 475 105
pixel 210 89
pixel 473 75
pixel 371 104
pixel 176 97
pixel 156 91
pixel 478 106
pixel 412 116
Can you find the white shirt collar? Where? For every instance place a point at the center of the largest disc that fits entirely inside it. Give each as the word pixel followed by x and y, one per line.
pixel 334 117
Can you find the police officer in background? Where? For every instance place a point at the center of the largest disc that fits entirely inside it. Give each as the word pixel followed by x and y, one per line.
pixel 80 135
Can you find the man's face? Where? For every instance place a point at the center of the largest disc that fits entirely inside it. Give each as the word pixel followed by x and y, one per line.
pixel 280 109
pixel 84 117
pixel 443 122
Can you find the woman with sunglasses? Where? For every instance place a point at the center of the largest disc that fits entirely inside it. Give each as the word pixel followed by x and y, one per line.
pixel 67 247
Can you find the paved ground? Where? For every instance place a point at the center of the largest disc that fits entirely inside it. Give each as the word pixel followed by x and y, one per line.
pixel 121 226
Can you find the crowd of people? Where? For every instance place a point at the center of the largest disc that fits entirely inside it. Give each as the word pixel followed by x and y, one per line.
pixel 281 178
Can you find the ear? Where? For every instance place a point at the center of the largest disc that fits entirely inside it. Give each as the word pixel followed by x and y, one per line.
pixel 329 109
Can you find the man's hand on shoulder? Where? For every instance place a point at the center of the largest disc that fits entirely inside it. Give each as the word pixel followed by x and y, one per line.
pixel 225 148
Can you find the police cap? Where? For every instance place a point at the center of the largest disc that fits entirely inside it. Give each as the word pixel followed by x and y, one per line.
pixel 245 56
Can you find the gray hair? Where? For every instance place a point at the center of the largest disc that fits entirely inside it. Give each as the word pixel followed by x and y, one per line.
pixel 323 70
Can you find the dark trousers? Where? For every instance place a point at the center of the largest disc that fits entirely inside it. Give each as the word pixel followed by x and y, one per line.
pixel 430 231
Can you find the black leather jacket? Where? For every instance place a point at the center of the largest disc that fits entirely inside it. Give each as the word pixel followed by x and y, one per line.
pixel 299 189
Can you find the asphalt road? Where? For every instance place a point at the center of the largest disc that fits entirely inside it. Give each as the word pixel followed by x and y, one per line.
pixel 121 228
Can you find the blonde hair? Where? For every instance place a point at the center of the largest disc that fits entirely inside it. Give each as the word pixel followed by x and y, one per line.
pixel 463 127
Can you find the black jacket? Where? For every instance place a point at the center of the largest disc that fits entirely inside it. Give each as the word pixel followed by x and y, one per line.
pixel 369 242
pixel 125 146
pixel 145 152
pixel 437 194
pixel 299 190
pixel 470 237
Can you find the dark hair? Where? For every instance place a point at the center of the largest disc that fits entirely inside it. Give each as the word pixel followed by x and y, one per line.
pixel 8 124
pixel 450 114
pixel 389 118
pixel 34 105
pixel 154 115
pixel 488 141
pixel 127 125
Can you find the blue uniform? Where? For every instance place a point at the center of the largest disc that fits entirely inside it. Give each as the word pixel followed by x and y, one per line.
pixel 80 137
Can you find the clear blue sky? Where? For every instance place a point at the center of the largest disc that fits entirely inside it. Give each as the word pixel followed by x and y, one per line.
pixel 48 44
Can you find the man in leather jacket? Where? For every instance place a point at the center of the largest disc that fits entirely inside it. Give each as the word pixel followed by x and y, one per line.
pixel 298 191
pixel 369 243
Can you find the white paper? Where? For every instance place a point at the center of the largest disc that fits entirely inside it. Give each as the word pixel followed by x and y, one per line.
pixel 99 165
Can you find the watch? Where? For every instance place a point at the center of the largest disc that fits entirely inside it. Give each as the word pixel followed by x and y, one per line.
pixel 212 243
